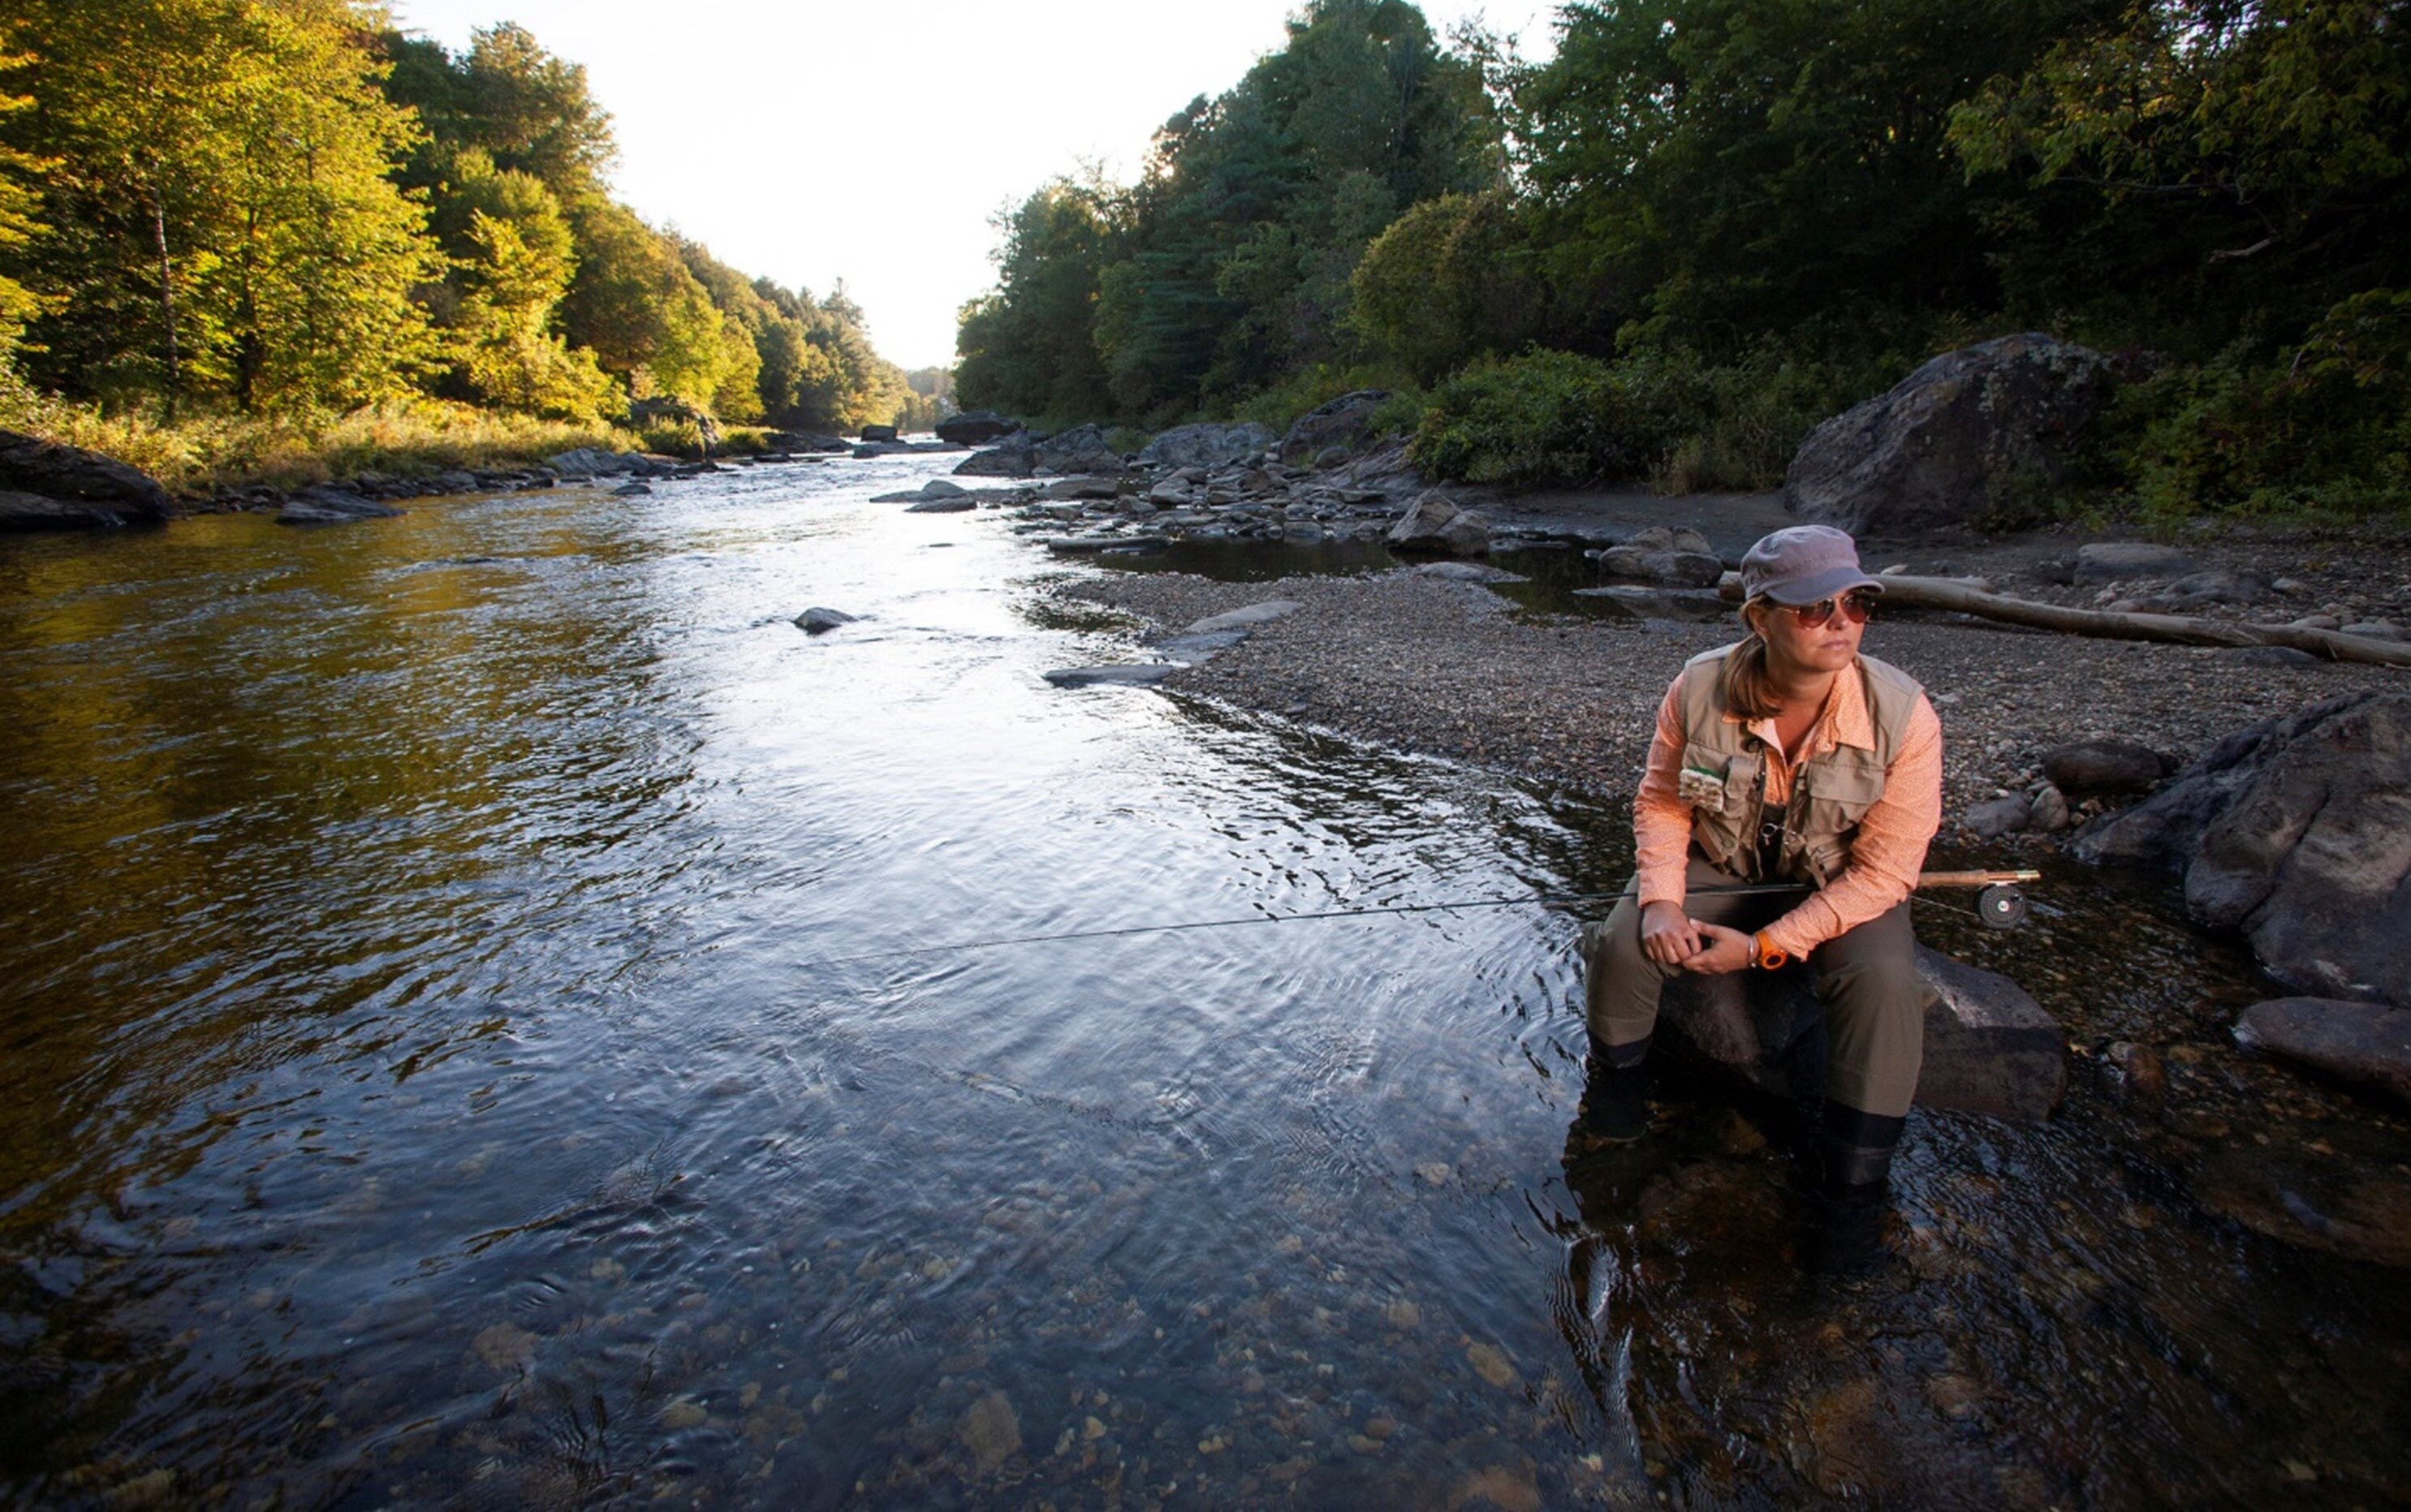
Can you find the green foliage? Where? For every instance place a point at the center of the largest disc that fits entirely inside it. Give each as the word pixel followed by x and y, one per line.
pixel 1448 280
pixel 2325 428
pixel 2189 172
pixel 1663 416
pixel 20 203
pixel 222 220
pixel 1227 268
pixel 1030 347
pixel 199 453
pixel 1542 416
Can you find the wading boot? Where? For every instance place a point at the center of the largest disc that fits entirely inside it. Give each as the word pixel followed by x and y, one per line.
pixel 1848 1236
pixel 1615 1103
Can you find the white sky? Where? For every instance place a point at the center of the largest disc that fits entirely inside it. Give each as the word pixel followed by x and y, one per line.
pixel 822 139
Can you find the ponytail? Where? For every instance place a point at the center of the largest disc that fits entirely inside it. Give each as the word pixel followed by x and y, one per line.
pixel 1748 687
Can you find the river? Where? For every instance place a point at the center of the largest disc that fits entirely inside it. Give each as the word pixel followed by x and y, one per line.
pixel 459 1051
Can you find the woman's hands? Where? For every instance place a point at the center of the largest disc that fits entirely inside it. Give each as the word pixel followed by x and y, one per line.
pixel 1669 937
pixel 1720 951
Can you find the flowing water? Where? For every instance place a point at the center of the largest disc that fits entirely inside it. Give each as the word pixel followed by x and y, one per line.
pixel 455 1055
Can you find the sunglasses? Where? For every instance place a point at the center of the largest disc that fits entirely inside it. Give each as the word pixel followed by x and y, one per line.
pixel 1855 607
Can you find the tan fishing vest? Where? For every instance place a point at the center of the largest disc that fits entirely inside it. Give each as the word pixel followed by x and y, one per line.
pixel 1723 778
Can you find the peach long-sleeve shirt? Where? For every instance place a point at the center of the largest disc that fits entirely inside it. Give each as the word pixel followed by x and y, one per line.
pixel 1892 836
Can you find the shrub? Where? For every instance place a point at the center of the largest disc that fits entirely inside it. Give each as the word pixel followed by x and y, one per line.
pixel 1548 416
pixel 203 451
pixel 2327 430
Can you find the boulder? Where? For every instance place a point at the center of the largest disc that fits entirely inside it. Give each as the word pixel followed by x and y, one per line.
pixel 1208 445
pixel 975 427
pixel 2364 1042
pixel 1341 422
pixel 960 503
pixel 879 432
pixel 1080 449
pixel 2293 832
pixel 47 486
pixel 2112 561
pixel 1435 523
pixel 323 505
pixel 2216 586
pixel 1963 441
pixel 1996 817
pixel 934 488
pixel 805 441
pixel 818 620
pixel 1015 457
pixel 588 462
pixel 2105 766
pixel 1989 1047
pixel 632 491
pixel 1674 569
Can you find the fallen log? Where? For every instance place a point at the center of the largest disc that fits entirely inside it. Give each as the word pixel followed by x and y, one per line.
pixel 1905 592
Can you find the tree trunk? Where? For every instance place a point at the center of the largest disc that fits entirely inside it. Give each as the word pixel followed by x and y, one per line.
pixel 167 299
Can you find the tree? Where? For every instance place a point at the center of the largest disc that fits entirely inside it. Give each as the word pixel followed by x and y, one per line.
pixel 513 257
pixel 20 203
pixel 1733 167
pixel 223 217
pixel 1227 267
pixel 1446 283
pixel 1031 346
pixel 2204 166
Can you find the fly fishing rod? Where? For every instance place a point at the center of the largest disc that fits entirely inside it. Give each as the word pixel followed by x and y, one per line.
pixel 1999 905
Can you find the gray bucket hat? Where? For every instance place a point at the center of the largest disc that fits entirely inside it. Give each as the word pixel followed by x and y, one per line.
pixel 1803 564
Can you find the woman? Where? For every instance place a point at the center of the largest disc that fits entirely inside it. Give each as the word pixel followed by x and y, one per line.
pixel 1786 758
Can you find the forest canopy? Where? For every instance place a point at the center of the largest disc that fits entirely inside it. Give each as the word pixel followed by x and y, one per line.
pixel 1702 225
pixel 287 207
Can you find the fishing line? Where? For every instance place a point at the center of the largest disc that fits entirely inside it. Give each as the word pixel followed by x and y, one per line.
pixel 1541 899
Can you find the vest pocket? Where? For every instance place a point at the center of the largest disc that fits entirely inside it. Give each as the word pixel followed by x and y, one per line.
pixel 1838 797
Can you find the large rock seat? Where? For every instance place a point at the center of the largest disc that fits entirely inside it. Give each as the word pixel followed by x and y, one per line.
pixel 1989 1047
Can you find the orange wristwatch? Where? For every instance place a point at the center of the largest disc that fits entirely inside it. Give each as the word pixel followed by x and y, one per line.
pixel 1764 956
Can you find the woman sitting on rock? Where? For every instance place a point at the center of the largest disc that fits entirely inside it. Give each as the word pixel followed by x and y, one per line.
pixel 1786 758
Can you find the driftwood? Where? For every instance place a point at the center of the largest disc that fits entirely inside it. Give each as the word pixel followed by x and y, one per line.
pixel 1970 597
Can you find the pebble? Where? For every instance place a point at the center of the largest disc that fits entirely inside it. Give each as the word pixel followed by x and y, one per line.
pixel 1492 1364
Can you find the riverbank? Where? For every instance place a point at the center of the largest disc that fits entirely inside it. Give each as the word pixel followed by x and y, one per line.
pixel 1453 668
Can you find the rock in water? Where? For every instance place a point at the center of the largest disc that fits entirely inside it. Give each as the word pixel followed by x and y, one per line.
pixel 1435 523
pixel 992 1430
pixel 325 505
pixel 817 621
pixel 1676 569
pixel 1963 441
pixel 975 427
pixel 2293 832
pixel 2365 1042
pixel 1117 675
pixel 2104 767
pixel 1989 1047
pixel 44 485
pixel 1208 445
